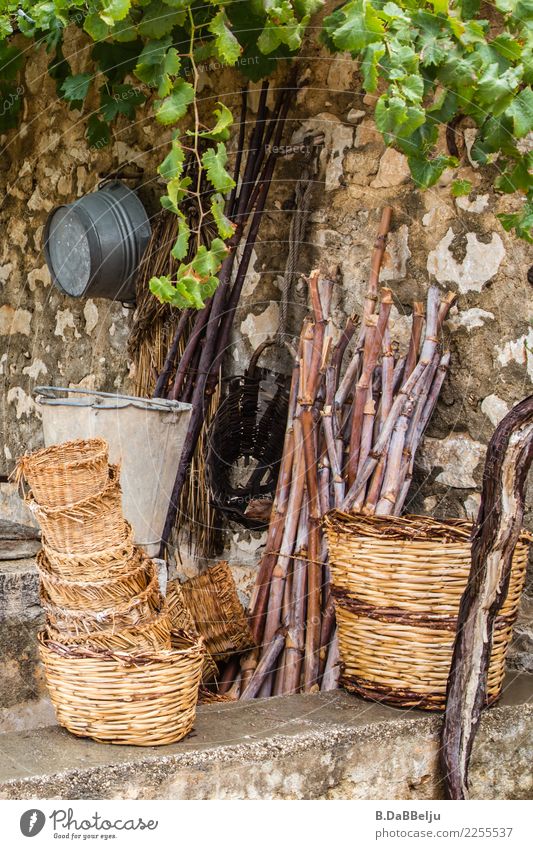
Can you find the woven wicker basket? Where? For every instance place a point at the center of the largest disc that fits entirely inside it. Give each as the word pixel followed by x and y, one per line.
pixel 67 473
pixel 217 612
pixel 109 562
pixel 96 595
pixel 181 620
pixel 397 585
pixel 87 526
pixel 128 613
pixel 154 633
pixel 141 699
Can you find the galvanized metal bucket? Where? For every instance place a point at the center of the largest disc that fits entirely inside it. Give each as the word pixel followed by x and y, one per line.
pixel 93 246
pixel 145 436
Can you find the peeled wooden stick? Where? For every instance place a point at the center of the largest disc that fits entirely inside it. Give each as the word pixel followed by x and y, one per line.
pixel 428 349
pixel 369 305
pixel 416 335
pixel 496 532
pixel 330 679
pixel 295 642
pixel 264 667
pixel 373 344
pixel 392 480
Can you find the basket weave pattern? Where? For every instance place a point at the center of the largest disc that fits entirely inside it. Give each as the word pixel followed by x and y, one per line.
pixel 98 594
pixel 67 473
pixel 128 699
pixel 397 585
pixel 217 611
pixel 114 670
pixel 87 526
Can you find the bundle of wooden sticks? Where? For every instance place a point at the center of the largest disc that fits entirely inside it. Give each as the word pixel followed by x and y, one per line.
pixel 350 443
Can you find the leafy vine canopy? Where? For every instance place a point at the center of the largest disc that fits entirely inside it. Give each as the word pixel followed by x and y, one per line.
pixel 429 64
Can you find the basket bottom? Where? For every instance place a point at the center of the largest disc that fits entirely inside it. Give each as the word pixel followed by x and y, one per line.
pixel 398 698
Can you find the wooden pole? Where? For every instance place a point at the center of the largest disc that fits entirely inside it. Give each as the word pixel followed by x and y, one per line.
pixel 496 532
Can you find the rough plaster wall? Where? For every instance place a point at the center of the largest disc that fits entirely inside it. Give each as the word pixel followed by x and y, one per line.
pixel 46 337
pixel 458 244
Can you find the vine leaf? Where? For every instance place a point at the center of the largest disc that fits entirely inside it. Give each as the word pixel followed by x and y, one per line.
pixel 521 111
pixel 158 62
pixel 123 101
pixel 361 26
pixel 181 245
pixel 226 44
pixel 460 188
pixel 214 161
pixel 426 172
pixel 159 20
pixel 114 10
pixel 225 227
pixel 98 133
pixel 221 130
pixel 174 107
pixel 171 167
pixel 75 88
pixel 95 27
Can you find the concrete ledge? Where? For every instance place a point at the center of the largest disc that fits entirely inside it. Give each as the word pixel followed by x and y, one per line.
pixel 328 746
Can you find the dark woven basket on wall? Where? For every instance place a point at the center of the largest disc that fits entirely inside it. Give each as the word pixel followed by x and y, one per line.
pixel 245 442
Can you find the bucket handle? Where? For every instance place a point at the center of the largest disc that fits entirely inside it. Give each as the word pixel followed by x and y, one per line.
pixel 50 395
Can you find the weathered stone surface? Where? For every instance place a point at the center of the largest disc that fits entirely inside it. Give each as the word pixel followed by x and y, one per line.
pixel 14 321
pixel 393 170
pixel 518 351
pixel 494 408
pixel 480 264
pixel 458 455
pixel 330 746
pixel 469 319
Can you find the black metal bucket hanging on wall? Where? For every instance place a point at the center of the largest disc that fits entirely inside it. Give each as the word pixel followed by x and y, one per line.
pixel 93 246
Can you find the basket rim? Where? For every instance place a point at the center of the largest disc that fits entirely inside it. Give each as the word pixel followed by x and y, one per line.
pixel 64 612
pixel 140 658
pixel 70 510
pixel 50 575
pixel 99 446
pixel 80 557
pixel 410 527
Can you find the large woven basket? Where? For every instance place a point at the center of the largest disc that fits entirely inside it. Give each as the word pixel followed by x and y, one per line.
pixel 87 526
pixel 397 585
pixel 67 473
pixel 139 699
pixel 217 611
pixel 96 595
pixel 109 562
pixel 153 633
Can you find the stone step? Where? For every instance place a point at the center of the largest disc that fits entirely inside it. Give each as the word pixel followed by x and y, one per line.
pixel 21 676
pixel 326 746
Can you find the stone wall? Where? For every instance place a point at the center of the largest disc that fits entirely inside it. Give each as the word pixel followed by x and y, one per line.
pixel 459 244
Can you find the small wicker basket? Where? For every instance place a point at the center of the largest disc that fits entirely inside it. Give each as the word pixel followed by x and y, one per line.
pixel 217 611
pixel 152 634
pixel 93 594
pixel 110 562
pixel 130 612
pixel 397 585
pixel 67 473
pixel 181 620
pixel 87 526
pixel 138 699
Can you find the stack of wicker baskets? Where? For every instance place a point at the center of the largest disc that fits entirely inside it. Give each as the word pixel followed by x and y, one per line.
pixel 116 669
